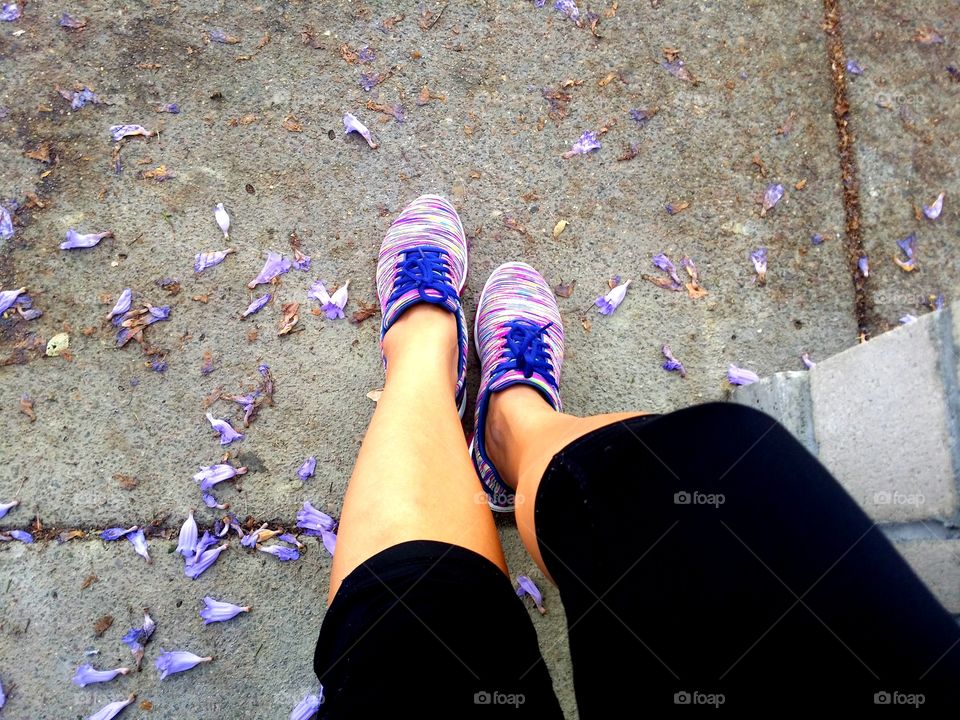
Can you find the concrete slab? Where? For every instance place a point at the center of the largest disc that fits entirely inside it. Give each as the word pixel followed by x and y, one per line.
pixel 786 397
pixel 906 120
pixel 937 562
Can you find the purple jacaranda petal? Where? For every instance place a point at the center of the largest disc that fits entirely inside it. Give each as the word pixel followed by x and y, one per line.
pixel 118 132
pixel 108 712
pixel 206 541
pixel 567 8
pixel 909 247
pixel 853 67
pixel 211 502
pixel 251 540
pixel 87 675
pixel 70 22
pixel 807 362
pixel 662 262
pixel 678 68
pixel 740 376
pixel 759 258
pixel 606 304
pixel 116 533
pixel 275 265
pixel 313 520
pixel 159 366
pixel 329 539
pixel 223 220
pixel 122 306
pixel 76 240
pixel 21 535
pixel 282 553
pixel 369 80
pixel 366 54
pixel 864 266
pixel 171 108
pixel 932 211
pixel 907 319
pixel 137 638
pixel 332 305
pixel 257 305
pixel 10 12
pixel 227 433
pixel 217 611
pixel 585 144
pixel 307 708
pixel 3 697
pixel 208 259
pixel 7 507
pixel 176 661
pixel 9 297
pixel 156 312
pixel 210 475
pixel 305 472
pixel 672 364
pixel 526 586
pixel 6 224
pixel 139 542
pixel 816 239
pixel 187 541
pixel 642 115
pixel 203 562
pixel 219 36
pixel 772 196
pixel 288 538
pixel 351 124
pixel 83 97
pixel 301 261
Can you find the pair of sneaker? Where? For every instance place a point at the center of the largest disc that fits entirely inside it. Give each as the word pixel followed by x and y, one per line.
pixel 517 331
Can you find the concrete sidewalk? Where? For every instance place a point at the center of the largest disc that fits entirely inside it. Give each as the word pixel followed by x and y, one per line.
pixel 115 443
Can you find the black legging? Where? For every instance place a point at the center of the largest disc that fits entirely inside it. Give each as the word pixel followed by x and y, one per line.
pixel 703 557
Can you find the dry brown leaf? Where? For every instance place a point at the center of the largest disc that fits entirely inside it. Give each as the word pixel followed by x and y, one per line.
pixel 603 82
pixel 127 482
pixel 102 625
pixel 559 228
pixel 88 581
pixel 800 184
pixel 41 153
pixel 291 124
pixel 201 298
pixel 291 314
pixel 26 407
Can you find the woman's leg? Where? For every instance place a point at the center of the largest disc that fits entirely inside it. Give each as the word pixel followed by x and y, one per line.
pixel 413 479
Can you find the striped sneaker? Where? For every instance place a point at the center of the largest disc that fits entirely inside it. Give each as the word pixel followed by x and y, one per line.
pixel 519 338
pixel 423 258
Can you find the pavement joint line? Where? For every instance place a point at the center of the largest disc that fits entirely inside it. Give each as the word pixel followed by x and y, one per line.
pixel 847 154
pixel 947 364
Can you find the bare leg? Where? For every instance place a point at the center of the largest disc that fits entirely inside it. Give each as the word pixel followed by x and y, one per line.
pixel 523 434
pixel 413 479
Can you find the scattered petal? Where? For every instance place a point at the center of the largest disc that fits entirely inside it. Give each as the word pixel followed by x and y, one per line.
pixel 10 12
pixel 122 306
pixel 314 521
pixel 853 67
pixel 256 305
pixel 171 108
pixel 759 258
pixel 187 541
pixel 932 211
pixel 223 219
pixel 816 239
pixel 202 563
pixel 643 115
pixel 306 470
pixel 227 433
pixel 209 259
pixel 76 240
pixel 118 132
pixel 137 638
pixel 568 8
pixel 740 376
pixel 526 586
pixel 864 265
pixel 219 36
pixel 116 533
pixel 606 304
pixel 351 124
pixel 6 224
pixel 587 143
pixel 7 507
pixel 21 535
pixel 139 542
pixel 672 364
pixel 909 247
pixel 274 266
pixel 177 661
pixel 366 54
pixel 86 675
pixel 282 553
pixel 907 319
pixel 108 712
pixel 807 362
pixel 308 707
pixel 331 305
pixel 9 297
pixel 771 197
pixel 217 611
pixel 329 539
pixel 211 475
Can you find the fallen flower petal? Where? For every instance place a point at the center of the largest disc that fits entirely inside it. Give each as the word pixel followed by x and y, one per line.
pixel 217 611
pixel 10 12
pixel 366 54
pixel 136 638
pixel 9 297
pixel 672 364
pixel 816 239
pixel 209 259
pixel 80 98
pixel 139 542
pixel 210 475
pixel 301 261
pixel 909 247
pixel 771 197
pixel 187 541
pixel 122 306
pixel 678 69
pixel 6 224
pixel 313 520
pixel 211 502
pixel 567 8
pixel 606 304
pixel 171 108
pixel 177 661
pixel 853 67
pixel 86 675
pixel 284 554
pixel 257 305
pixel 223 220
pixel 108 712
pixel 329 539
pixel 807 362
pixel 526 586
pixel 274 266
pixel 21 535
pixel 740 376
pixel 864 265
pixel 305 472
pixel 587 143
pixel 643 115
pixel 7 507
pixel 227 433
pixel 118 132
pixel 307 708
pixel 219 36
pixel 116 533
pixel 3 697
pixel 331 305
pixel 288 538
pixel 759 258
pixel 76 240
pixel 907 319
pixel 351 124
pixel 662 262
pixel 203 562
pixel 932 211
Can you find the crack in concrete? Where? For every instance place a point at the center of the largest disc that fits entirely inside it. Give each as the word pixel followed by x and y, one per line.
pixel 847 153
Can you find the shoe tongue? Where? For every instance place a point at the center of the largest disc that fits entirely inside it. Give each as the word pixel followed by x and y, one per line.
pixel 536 381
